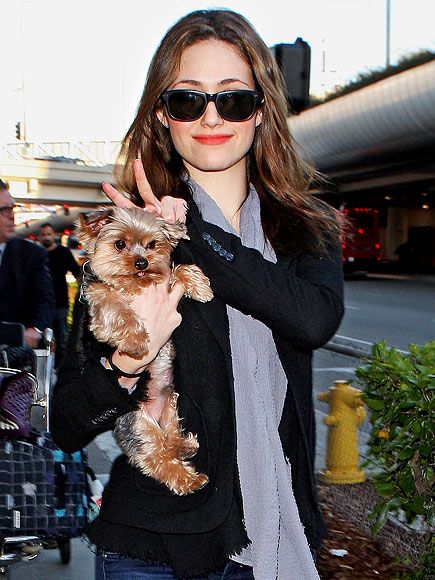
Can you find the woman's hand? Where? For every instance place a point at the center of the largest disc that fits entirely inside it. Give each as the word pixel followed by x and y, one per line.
pixel 32 337
pixel 157 307
pixel 171 209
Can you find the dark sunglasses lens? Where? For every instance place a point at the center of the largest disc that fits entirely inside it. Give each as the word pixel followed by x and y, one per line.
pixel 236 106
pixel 185 106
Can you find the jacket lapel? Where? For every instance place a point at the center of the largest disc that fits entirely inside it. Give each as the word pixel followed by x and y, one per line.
pixel 214 313
pixel 215 316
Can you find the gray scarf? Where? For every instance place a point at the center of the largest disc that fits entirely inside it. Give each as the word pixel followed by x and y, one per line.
pixel 279 548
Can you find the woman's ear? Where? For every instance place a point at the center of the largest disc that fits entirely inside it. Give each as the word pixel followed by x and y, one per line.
pixel 161 116
pixel 258 117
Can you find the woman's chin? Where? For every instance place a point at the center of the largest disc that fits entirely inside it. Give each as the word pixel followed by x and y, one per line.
pixel 215 164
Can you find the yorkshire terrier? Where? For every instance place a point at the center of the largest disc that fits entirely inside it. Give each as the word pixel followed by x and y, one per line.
pixel 129 249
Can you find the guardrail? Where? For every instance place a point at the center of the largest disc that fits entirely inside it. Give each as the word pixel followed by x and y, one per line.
pixel 352 347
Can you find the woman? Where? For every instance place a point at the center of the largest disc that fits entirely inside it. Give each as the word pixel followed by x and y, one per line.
pixel 211 133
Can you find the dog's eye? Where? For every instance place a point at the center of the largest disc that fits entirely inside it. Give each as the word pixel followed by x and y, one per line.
pixel 151 245
pixel 120 244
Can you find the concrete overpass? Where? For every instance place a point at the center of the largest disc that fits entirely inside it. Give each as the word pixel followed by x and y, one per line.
pixel 376 146
pixel 53 182
pixel 378 138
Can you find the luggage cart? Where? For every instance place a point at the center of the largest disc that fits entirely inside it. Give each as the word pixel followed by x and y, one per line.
pixel 14 548
pixel 44 378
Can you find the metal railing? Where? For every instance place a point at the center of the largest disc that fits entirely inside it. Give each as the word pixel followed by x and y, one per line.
pixel 93 153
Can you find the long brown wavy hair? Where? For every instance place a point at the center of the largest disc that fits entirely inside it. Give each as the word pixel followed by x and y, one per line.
pixel 292 218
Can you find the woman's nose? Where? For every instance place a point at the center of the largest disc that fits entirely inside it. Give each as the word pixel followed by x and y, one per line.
pixel 211 117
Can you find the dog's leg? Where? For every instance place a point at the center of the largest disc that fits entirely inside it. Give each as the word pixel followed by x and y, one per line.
pixel 152 450
pixel 179 475
pixel 185 445
pixel 160 369
pixel 114 322
pixel 195 282
pixel 160 449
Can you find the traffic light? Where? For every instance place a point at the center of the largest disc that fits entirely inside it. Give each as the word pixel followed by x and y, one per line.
pixel 294 62
pixel 19 131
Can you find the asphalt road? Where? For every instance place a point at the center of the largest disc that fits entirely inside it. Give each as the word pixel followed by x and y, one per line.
pixel 397 308
pixel 400 309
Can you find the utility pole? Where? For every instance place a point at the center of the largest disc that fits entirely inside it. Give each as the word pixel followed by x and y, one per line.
pixel 22 129
pixel 388 25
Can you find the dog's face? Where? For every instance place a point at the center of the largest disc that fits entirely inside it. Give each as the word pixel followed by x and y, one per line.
pixel 129 245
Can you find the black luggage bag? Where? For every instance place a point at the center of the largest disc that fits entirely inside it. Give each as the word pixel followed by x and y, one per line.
pixel 43 491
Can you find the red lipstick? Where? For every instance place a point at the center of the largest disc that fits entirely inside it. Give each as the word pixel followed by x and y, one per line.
pixel 212 139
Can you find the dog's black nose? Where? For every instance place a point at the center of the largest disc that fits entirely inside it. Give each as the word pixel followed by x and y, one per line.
pixel 141 264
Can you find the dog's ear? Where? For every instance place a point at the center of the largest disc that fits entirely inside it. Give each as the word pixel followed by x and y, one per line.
pixel 89 225
pixel 175 232
pixel 92 222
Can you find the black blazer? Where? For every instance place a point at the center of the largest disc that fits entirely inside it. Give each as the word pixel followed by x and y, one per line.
pixel 300 299
pixel 26 287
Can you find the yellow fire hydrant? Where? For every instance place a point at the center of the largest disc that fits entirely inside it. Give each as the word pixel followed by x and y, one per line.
pixel 346 413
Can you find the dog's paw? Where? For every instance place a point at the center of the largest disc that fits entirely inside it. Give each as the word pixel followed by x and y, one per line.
pixel 188 446
pixel 195 282
pixel 203 293
pixel 132 345
pixel 200 481
pixel 187 480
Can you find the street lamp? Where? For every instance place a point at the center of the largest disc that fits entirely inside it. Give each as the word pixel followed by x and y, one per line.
pixel 388 24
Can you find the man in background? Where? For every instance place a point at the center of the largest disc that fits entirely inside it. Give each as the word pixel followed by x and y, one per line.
pixel 61 261
pixel 26 287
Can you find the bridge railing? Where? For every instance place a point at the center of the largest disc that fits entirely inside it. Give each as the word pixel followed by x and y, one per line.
pixel 93 153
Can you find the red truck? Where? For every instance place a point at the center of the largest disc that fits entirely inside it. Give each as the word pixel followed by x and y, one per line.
pixel 360 243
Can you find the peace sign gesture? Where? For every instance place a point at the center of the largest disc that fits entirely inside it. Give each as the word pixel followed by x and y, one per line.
pixel 171 209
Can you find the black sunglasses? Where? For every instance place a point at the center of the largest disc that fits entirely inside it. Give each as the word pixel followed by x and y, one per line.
pixel 189 105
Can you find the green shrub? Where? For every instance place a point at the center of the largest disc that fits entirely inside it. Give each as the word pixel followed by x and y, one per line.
pixel 399 391
pixel 419 570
